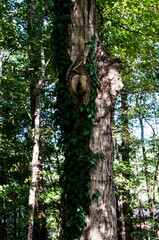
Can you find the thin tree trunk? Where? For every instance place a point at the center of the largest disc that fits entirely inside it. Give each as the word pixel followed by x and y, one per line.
pixel 119 220
pixel 1 223
pixel 123 220
pixel 126 212
pixel 19 226
pixel 4 227
pixel 4 230
pixel 15 224
pixel 0 63
pixel 34 166
pixel 145 166
pixel 141 216
pixel 155 218
pixel 35 86
pixel 40 231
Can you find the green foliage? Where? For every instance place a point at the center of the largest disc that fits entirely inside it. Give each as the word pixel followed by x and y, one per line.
pixel 15 120
pixel 130 31
pixel 61 18
pixel 15 142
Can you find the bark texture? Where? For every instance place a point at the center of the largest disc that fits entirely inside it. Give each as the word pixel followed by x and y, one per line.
pixel 35 115
pixel 81 31
pixel 36 61
pixel 34 166
pixel 102 222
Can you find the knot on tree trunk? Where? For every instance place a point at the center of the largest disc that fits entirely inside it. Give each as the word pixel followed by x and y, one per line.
pixel 79 84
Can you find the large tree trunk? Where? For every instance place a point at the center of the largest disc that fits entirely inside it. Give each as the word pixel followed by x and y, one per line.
pixel 101 222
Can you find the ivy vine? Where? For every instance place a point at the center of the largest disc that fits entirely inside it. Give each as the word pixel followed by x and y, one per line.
pixel 76 126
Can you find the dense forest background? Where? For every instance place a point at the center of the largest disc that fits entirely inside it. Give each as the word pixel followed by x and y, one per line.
pixel 129 30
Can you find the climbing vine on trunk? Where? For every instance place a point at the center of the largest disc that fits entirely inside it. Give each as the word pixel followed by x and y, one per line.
pixel 81 61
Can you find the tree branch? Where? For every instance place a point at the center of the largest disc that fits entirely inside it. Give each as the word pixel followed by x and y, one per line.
pixel 127 29
pixel 120 25
pixel 47 62
pixel 153 130
pixel 6 60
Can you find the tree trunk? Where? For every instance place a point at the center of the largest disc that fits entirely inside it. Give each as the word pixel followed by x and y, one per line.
pixel 3 229
pixel 40 232
pixel 85 49
pixel 0 63
pixel 15 224
pixel 126 213
pixel 102 221
pixel 141 213
pixel 155 217
pixel 34 165
pixel 145 166
pixel 35 114
pixel 119 220
pixel 35 208
pixel 19 226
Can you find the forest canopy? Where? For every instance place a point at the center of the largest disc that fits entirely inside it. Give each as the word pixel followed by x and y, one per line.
pixel 46 128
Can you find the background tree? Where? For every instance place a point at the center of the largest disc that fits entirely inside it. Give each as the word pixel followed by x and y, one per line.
pixel 15 139
pixel 129 29
pixel 16 117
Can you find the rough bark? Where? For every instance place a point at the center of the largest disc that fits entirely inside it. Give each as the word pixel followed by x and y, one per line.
pixel 102 222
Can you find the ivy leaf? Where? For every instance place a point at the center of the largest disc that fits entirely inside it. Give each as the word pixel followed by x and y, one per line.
pixel 94 161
